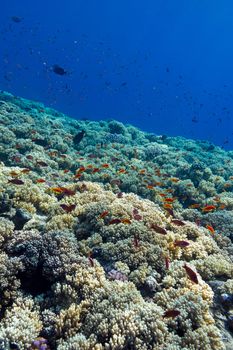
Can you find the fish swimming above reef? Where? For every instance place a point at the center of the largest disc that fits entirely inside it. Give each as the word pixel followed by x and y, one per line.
pixel 16 19
pixel 78 137
pixel 58 70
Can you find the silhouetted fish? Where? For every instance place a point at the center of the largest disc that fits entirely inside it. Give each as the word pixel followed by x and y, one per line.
pixel 58 70
pixel 16 19
pixel 78 137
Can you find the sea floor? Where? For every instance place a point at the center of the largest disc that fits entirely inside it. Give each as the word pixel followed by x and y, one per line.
pixel 111 238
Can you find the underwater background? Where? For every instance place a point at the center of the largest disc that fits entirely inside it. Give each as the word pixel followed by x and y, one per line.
pixel 116 175
pixel 164 66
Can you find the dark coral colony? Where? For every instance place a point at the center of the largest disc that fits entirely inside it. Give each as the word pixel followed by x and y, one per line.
pixel 111 238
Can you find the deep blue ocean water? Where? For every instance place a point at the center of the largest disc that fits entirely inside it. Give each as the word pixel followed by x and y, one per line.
pixel 165 66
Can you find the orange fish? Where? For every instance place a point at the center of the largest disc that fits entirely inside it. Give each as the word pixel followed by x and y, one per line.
pixel 210 228
pixel 95 170
pixel 89 166
pixel 122 171
pixel 142 171
pixel 56 190
pixel 170 200
pixel 174 179
pixel 208 208
pixel 40 181
pixel 191 274
pixel 103 214
pixel 171 313
pixel 222 206
pixel 162 194
pixel 65 171
pixel 25 171
pixel 125 221
pixel 167 206
pixel 157 183
pixel 77 176
pixel 13 173
pixel 194 206
pixel 105 165
pixel 150 187
pixel 81 169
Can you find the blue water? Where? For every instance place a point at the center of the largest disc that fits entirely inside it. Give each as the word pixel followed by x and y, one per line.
pixel 162 65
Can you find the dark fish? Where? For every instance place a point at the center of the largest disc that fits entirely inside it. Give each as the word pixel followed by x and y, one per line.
pixel 16 181
pixel 171 313
pixel 158 229
pixel 40 142
pixel 58 70
pixel 177 222
pixel 16 19
pixel 181 244
pixel 114 221
pixel 191 274
pixel 78 137
pixel 68 208
pixel 41 163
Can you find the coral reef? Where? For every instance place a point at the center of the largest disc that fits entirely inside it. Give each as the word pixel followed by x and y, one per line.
pixel 122 240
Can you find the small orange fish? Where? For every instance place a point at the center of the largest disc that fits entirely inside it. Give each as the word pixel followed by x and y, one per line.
pixel 174 179
pixel 77 176
pixel 157 183
pixel 194 206
pixel 65 171
pixel 171 313
pixel 227 185
pixel 13 173
pixel 95 170
pixel 222 206
pixel 162 194
pixel 103 214
pixel 150 187
pixel 210 228
pixel 208 208
pixel 81 169
pixel 56 190
pixel 169 200
pixel 191 274
pixel 40 181
pixel 25 171
pixel 167 206
pixel 125 221
pixel 105 165
pixel 122 171
pixel 142 171
pixel 89 166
